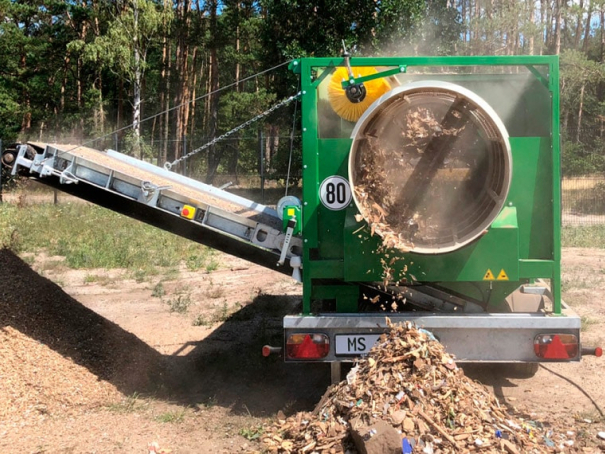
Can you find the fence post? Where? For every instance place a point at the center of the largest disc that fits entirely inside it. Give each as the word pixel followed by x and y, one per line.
pixel 262 166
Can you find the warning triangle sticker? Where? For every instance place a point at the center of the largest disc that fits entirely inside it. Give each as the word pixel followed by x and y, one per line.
pixel 502 276
pixel 489 276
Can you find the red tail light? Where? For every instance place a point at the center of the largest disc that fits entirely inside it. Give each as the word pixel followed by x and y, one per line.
pixel 307 346
pixel 556 346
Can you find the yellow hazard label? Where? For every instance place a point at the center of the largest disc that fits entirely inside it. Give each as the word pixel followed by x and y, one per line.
pixel 502 276
pixel 489 276
pixel 290 211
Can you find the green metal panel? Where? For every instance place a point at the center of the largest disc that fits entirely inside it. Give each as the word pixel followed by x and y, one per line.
pixel 531 192
pixel 333 155
pixel 524 241
pixel 495 251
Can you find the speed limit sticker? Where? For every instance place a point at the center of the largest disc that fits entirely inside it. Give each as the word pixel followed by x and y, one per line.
pixel 335 193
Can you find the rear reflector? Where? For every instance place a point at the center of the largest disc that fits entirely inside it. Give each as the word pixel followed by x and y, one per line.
pixel 556 346
pixel 307 346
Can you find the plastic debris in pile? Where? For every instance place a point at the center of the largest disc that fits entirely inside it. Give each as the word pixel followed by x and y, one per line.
pixel 409 382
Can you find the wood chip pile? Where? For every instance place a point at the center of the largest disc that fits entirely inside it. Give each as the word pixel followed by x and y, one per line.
pixel 38 381
pixel 410 382
pixel 59 355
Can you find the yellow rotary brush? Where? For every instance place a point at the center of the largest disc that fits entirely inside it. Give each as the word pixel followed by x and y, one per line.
pixel 337 96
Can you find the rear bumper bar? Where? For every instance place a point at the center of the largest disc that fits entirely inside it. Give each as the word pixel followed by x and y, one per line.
pixel 470 337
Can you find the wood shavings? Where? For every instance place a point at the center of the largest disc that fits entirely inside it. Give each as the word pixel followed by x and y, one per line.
pixel 404 381
pixel 383 167
pixel 59 356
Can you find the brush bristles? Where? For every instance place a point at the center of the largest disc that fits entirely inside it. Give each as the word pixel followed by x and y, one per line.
pixel 338 98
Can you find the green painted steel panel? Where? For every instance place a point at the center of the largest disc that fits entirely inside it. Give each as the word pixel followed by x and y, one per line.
pixel 495 251
pixel 532 194
pixel 524 241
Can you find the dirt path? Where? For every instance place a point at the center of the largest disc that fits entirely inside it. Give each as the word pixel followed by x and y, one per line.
pixel 179 357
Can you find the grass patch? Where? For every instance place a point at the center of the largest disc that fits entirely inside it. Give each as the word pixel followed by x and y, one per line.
pixel 127 405
pixel 158 290
pixel 100 279
pixel 53 265
pixel 172 417
pixel 252 433
pixel 144 274
pixel 89 236
pixel 212 265
pixel 580 283
pixel 171 273
pixel 200 320
pixel 594 416
pixel 222 313
pixel 180 303
pixel 586 322
pixel 219 315
pixel 592 236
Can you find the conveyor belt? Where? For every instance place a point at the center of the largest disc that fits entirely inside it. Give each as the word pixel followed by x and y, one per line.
pixel 156 196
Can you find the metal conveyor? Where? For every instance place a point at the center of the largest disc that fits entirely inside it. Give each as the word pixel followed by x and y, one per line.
pixel 167 200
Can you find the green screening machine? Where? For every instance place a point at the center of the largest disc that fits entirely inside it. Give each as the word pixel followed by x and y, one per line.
pixel 431 193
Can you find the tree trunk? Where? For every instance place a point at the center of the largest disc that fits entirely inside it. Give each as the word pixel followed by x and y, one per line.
pixel 602 26
pixel 166 156
pixel 164 91
pixel 194 69
pixel 120 113
pixel 64 82
pixel 587 27
pixel 182 65
pixel 26 120
pixel 464 19
pixel 213 155
pixel 136 102
pixel 532 11
pixel 579 24
pixel 545 15
pixel 558 27
pixel 79 96
pixel 580 112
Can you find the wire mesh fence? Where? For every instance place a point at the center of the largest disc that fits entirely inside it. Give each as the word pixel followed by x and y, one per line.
pixel 583 197
pixel 583 200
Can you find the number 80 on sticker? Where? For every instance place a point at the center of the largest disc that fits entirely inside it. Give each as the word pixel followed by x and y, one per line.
pixel 335 193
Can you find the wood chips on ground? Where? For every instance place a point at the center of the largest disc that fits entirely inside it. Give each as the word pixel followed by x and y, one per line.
pixel 36 380
pixel 59 355
pixel 409 381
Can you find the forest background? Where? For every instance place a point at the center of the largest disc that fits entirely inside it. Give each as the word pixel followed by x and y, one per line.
pixel 144 76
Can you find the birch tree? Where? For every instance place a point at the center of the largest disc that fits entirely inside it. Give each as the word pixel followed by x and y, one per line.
pixel 136 25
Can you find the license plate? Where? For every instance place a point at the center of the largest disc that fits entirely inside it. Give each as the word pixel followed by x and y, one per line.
pixel 355 344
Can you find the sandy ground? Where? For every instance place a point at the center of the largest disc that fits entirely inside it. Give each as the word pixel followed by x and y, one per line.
pixel 217 389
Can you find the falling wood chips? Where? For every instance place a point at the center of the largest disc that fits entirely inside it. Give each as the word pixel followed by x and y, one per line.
pixel 409 381
pixel 382 168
